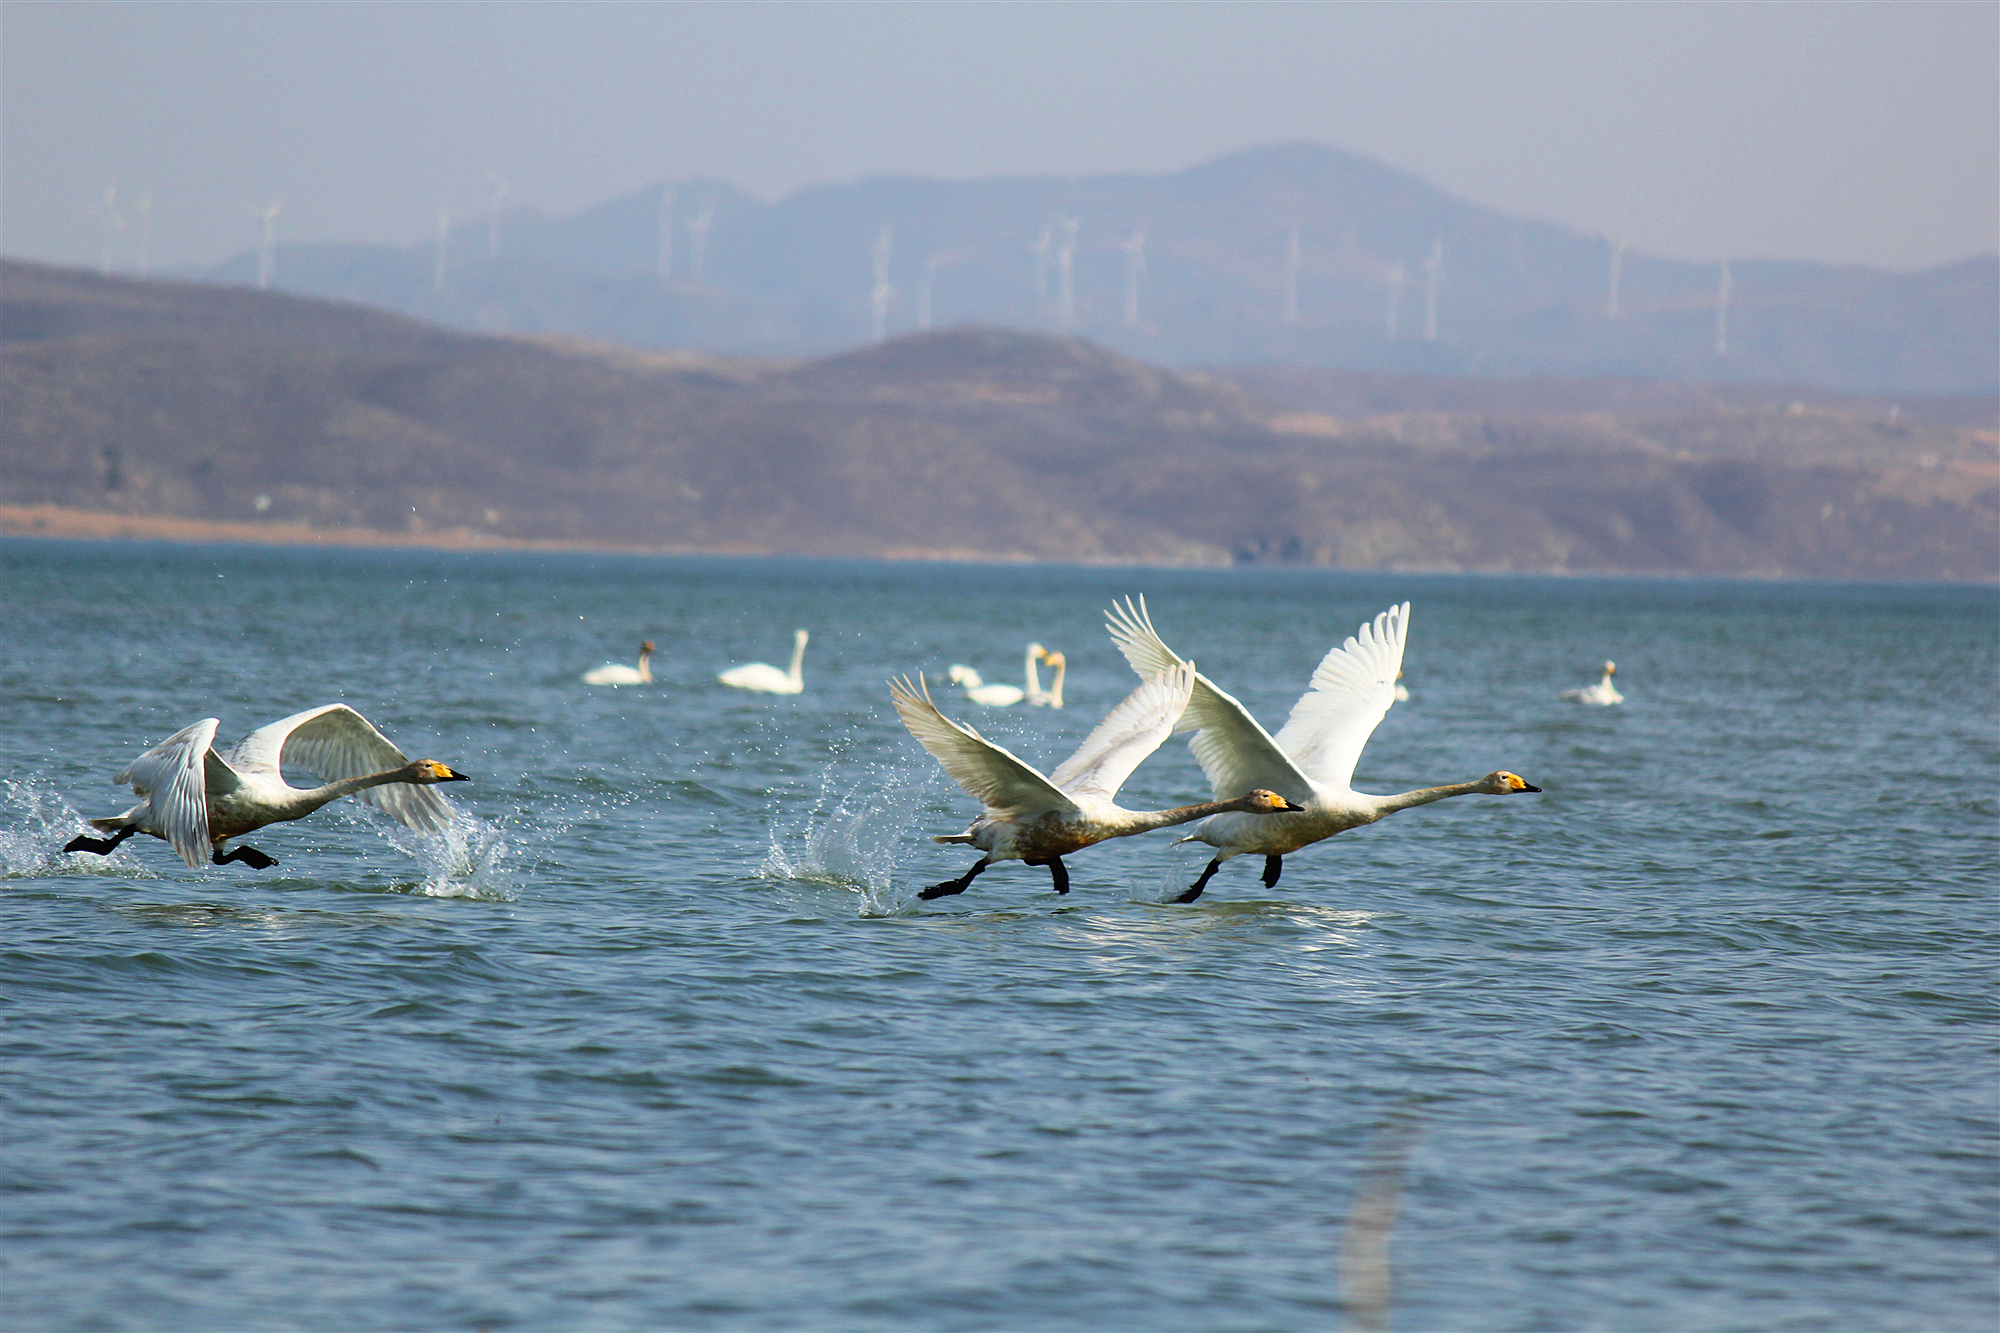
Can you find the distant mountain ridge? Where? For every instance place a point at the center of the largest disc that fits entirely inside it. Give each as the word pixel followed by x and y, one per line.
pixel 1190 268
pixel 125 404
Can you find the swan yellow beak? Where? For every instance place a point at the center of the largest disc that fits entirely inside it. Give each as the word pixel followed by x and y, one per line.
pixel 1289 808
pixel 442 773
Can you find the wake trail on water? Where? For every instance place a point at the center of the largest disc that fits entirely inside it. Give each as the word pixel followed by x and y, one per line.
pixel 35 821
pixel 857 833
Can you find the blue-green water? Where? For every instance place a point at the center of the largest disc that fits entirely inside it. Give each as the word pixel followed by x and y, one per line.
pixel 1700 1038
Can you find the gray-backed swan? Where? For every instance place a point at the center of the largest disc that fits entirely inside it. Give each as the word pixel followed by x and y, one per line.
pixel 1039 820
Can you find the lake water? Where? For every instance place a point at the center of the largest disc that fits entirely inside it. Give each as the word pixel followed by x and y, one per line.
pixel 1703 1037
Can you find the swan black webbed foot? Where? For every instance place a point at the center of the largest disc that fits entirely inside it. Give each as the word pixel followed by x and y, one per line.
pixel 1194 889
pixel 1057 871
pixel 249 856
pixel 1274 866
pixel 83 842
pixel 951 886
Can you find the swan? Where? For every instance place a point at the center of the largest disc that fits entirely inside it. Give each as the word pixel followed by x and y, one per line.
pixel 977 690
pixel 197 799
pixel 1052 696
pixel 1402 691
pixel 767 679
pixel 1603 693
pixel 1002 696
pixel 617 673
pixel 1311 760
pixel 1039 820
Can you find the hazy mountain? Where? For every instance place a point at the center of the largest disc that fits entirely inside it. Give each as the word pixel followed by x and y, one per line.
pixel 226 405
pixel 1469 291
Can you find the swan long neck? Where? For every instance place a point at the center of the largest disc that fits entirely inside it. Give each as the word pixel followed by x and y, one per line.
pixel 1055 686
pixel 646 666
pixel 1034 676
pixel 1145 821
pixel 1425 795
pixel 796 673
pixel 308 799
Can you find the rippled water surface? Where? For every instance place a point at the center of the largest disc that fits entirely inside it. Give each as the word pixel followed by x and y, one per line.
pixel 1700 1038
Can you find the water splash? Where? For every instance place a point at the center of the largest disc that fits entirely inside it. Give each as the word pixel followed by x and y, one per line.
pixel 35 822
pixel 854 835
pixel 467 858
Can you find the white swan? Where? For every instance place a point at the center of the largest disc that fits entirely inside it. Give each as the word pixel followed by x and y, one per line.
pixel 1002 696
pixel 617 673
pixel 1402 691
pixel 977 690
pixel 197 800
pixel 1052 696
pixel 1311 760
pixel 767 679
pixel 1603 693
pixel 1039 820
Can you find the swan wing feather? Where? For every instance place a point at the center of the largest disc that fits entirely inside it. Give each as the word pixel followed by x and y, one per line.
pixel 1351 691
pixel 1128 733
pixel 334 742
pixel 174 777
pixel 1236 754
pixel 1006 786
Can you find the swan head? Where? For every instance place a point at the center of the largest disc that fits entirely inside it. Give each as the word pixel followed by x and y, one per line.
pixel 1054 659
pixel 1610 668
pixel 428 771
pixel 646 648
pixel 1036 651
pixel 1504 783
pixel 1265 802
pixel 965 675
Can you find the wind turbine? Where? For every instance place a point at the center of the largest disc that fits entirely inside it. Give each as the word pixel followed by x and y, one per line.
pixel 668 193
pixel 144 208
pixel 1617 269
pixel 496 191
pixel 443 246
pixel 113 223
pixel 880 296
pixel 698 243
pixel 1066 275
pixel 1292 277
pixel 1398 275
pixel 267 249
pixel 1135 267
pixel 1722 286
pixel 931 267
pixel 1042 246
pixel 1433 279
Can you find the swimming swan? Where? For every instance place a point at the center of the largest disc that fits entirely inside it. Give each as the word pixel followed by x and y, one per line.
pixel 197 800
pixel 1311 760
pixel 1052 696
pixel 617 673
pixel 1603 693
pixel 1039 820
pixel 1001 696
pixel 767 679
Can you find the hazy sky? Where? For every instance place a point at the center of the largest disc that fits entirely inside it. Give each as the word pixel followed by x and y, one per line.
pixel 1862 133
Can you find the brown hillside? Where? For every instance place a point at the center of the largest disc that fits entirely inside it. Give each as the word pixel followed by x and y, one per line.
pixel 199 403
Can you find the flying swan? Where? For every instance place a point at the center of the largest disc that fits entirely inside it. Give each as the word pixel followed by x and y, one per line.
pixel 1001 696
pixel 767 679
pixel 1310 761
pixel 617 673
pixel 197 799
pixel 1039 820
pixel 1603 693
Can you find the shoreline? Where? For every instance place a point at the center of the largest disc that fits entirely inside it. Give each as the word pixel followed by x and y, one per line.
pixel 58 523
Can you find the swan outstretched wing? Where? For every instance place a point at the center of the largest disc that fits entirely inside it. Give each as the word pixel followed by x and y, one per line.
pixel 1007 787
pixel 1235 753
pixel 174 776
pixel 335 742
pixel 1128 733
pixel 1351 692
